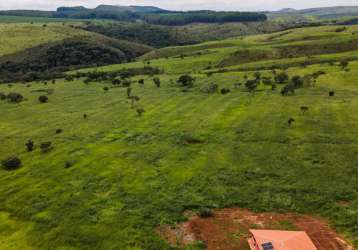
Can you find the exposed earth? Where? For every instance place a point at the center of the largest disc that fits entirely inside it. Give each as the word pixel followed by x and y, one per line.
pixel 228 229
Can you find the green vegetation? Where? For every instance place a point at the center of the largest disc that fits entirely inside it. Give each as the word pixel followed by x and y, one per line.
pixel 183 128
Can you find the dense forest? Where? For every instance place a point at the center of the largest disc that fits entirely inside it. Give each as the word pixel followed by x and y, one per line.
pixel 149 14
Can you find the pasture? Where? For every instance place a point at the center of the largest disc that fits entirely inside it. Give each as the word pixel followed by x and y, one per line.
pixel 113 176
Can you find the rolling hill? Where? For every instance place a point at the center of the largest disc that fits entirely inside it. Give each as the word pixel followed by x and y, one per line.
pixel 121 150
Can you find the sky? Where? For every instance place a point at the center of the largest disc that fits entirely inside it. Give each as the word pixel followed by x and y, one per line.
pixel 239 5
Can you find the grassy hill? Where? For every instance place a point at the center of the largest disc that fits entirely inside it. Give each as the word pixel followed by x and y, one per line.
pixel 113 176
pixel 37 48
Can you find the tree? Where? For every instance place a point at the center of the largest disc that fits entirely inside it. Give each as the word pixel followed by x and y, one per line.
pixel 2 96
pixel 141 81
pixel 251 85
pixel 257 76
pixel 225 91
pixel 116 81
pixel 290 121
pixel 134 99
pixel 43 99
pixel 344 64
pixel 11 163
pixel 304 109
pixel 129 92
pixel 46 147
pixel 281 77
pixel 156 81
pixel 140 111
pixel 29 145
pixel 297 81
pixel 105 89
pixel 288 89
pixel 186 81
pixel 14 97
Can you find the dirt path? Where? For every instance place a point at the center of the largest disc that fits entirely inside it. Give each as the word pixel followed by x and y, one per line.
pixel 228 229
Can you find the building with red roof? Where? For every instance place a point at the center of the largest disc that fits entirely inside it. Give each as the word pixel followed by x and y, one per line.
pixel 280 240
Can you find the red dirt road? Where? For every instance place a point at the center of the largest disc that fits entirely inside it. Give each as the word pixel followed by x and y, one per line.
pixel 228 230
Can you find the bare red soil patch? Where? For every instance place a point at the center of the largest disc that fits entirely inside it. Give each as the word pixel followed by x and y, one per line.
pixel 228 229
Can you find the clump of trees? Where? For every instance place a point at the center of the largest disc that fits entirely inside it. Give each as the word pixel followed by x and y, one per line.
pixel 11 163
pixel 14 97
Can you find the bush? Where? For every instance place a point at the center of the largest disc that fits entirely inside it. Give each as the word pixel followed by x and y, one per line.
pixel 29 145
pixel 15 97
pixel 11 163
pixel 297 81
pixel 140 111
pixel 225 91
pixel 69 164
pixel 288 89
pixel 206 213
pixel 186 81
pixel 141 81
pixel 2 96
pixel 43 99
pixel 46 147
pixel 156 81
pixel 331 93
pixel 212 88
pixel 59 131
pixel 105 88
pixel 281 78
pixel 251 85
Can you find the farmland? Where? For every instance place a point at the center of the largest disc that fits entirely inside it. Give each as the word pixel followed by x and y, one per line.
pixel 113 175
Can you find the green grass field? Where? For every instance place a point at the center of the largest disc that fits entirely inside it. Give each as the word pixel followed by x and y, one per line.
pixel 189 150
pixel 19 36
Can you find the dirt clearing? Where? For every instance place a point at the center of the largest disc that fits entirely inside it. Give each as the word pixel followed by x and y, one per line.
pixel 228 229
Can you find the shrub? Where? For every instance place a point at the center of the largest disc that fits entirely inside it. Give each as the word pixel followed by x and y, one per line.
pixel 225 91
pixel 281 77
pixel 126 83
pixel 290 121
pixel 331 93
pixel 206 213
pixel 29 145
pixel 11 163
pixel 85 116
pixel 251 85
pixel 288 89
pixel 59 131
pixel 140 111
pixel 69 164
pixel 156 81
pixel 129 92
pixel 2 96
pixel 105 88
pixel 344 64
pixel 14 97
pixel 43 99
pixel 297 81
pixel 116 81
pixel 186 81
pixel 141 81
pixel 212 88
pixel 46 147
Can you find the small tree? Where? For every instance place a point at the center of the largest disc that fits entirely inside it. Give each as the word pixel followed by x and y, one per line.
pixel 331 93
pixel 29 145
pixel 290 121
pixel 46 147
pixel 134 99
pixel 116 81
pixel 186 81
pixel 257 76
pixel 43 99
pixel 156 81
pixel 11 163
pixel 14 97
pixel 225 91
pixel 140 111
pixel 344 64
pixel 288 89
pixel 297 81
pixel 141 81
pixel 251 85
pixel 2 96
pixel 105 89
pixel 129 92
pixel 281 78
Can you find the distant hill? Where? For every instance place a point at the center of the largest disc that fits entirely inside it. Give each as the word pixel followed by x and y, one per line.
pixel 148 14
pixel 323 12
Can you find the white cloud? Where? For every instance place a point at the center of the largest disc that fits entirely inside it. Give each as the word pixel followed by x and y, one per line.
pixel 179 4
